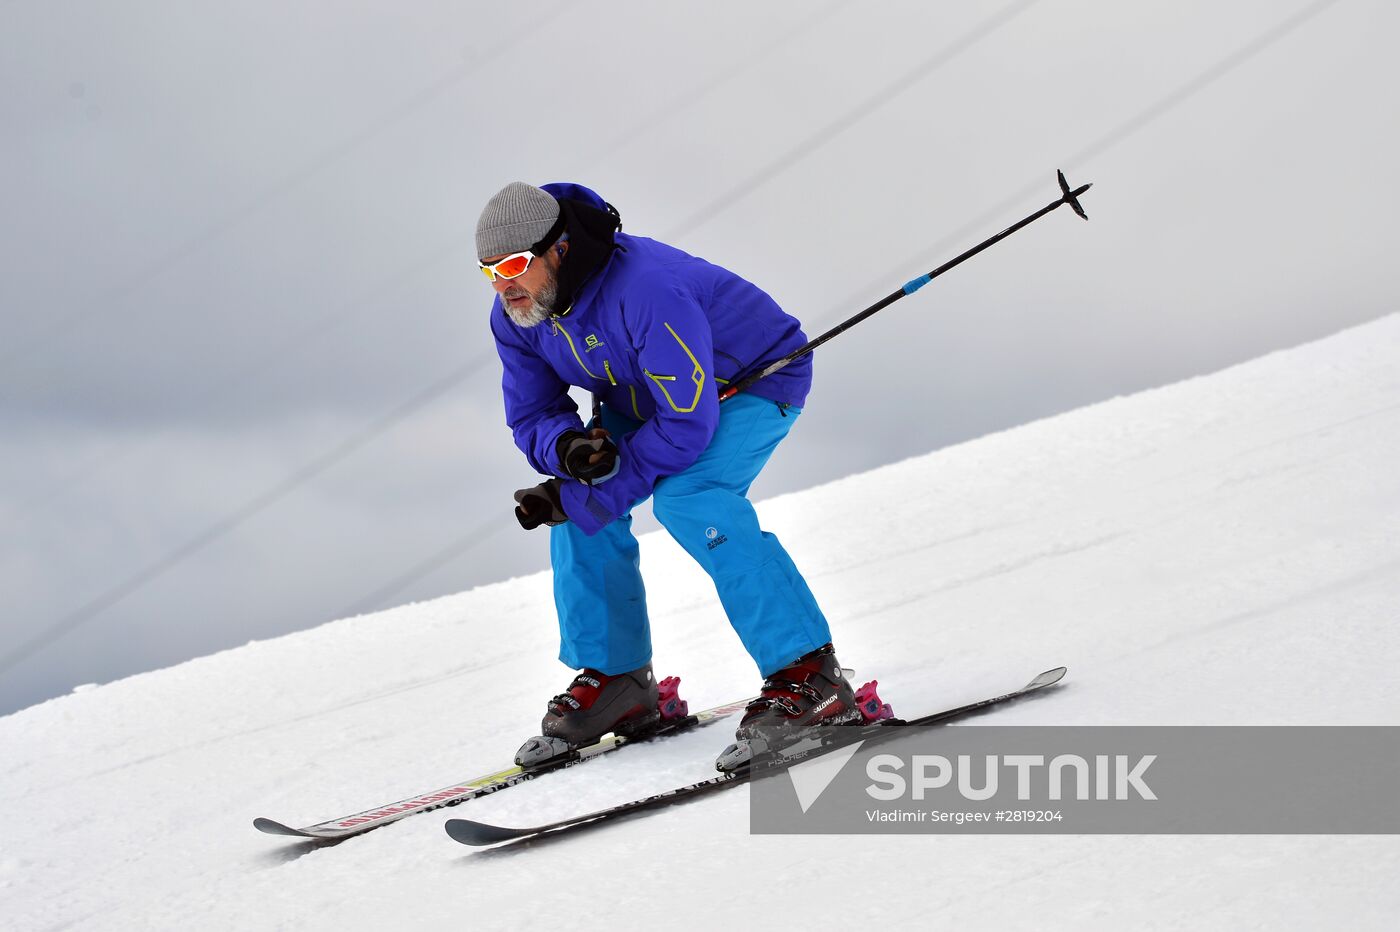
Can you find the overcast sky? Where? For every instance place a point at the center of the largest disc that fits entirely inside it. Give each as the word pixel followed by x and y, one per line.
pixel 245 360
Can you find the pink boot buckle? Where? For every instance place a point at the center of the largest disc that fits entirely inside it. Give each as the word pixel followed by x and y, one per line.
pixel 868 701
pixel 668 699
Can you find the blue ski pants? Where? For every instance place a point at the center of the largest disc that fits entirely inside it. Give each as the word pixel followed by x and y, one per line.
pixel 598 587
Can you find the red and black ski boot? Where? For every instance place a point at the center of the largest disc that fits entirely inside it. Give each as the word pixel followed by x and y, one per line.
pixel 810 691
pixel 595 704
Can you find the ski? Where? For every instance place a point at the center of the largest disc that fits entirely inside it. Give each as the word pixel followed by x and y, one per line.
pixel 481 833
pixel 458 793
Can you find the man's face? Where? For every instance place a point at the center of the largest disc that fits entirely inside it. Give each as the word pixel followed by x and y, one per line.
pixel 527 298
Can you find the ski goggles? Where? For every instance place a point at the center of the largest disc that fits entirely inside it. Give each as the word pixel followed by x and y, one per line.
pixel 512 266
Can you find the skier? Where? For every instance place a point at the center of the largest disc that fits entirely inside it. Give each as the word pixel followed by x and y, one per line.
pixel 652 332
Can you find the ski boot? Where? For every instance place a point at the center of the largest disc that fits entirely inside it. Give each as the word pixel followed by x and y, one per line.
pixel 810 691
pixel 595 704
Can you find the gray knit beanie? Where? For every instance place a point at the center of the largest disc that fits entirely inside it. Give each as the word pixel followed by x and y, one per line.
pixel 518 217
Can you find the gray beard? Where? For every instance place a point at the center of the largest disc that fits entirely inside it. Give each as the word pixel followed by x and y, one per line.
pixel 538 311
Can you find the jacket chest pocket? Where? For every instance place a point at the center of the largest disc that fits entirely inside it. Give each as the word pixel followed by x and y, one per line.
pixel 598 369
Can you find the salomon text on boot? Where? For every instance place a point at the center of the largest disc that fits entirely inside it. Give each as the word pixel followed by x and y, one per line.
pixel 810 691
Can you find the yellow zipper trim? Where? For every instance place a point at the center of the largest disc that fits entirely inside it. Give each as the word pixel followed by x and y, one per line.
pixel 608 369
pixel 559 328
pixel 697 375
pixel 633 390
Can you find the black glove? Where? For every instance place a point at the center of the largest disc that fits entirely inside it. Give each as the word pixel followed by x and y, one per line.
pixel 591 458
pixel 540 505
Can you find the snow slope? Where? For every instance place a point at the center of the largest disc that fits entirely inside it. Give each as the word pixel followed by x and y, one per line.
pixel 1225 550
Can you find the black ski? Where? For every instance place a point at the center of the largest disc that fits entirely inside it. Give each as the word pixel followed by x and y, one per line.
pixel 481 833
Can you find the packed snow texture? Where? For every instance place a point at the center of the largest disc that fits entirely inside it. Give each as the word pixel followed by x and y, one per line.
pixel 1224 550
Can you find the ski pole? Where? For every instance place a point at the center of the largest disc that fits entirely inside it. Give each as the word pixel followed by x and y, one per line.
pixel 1066 197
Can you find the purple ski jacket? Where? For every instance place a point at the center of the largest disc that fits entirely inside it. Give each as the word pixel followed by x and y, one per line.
pixel 655 333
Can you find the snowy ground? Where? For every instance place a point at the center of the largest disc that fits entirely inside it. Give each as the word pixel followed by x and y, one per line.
pixel 1225 550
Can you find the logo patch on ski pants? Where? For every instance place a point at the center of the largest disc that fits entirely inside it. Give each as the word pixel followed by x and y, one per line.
pixel 598 587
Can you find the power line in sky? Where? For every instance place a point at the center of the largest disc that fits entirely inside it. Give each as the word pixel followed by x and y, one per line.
pixel 380 597
pixel 849 119
pixel 1112 137
pixel 214 231
pixel 109 456
pixel 239 516
pixel 463 544
pixel 375 429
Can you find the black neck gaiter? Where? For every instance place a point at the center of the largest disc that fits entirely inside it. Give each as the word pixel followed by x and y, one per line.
pixel 591 241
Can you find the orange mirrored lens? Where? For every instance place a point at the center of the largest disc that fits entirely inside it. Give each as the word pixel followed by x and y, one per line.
pixel 510 268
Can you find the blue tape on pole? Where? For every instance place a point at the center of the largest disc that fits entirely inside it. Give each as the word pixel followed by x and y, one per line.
pixel 913 286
